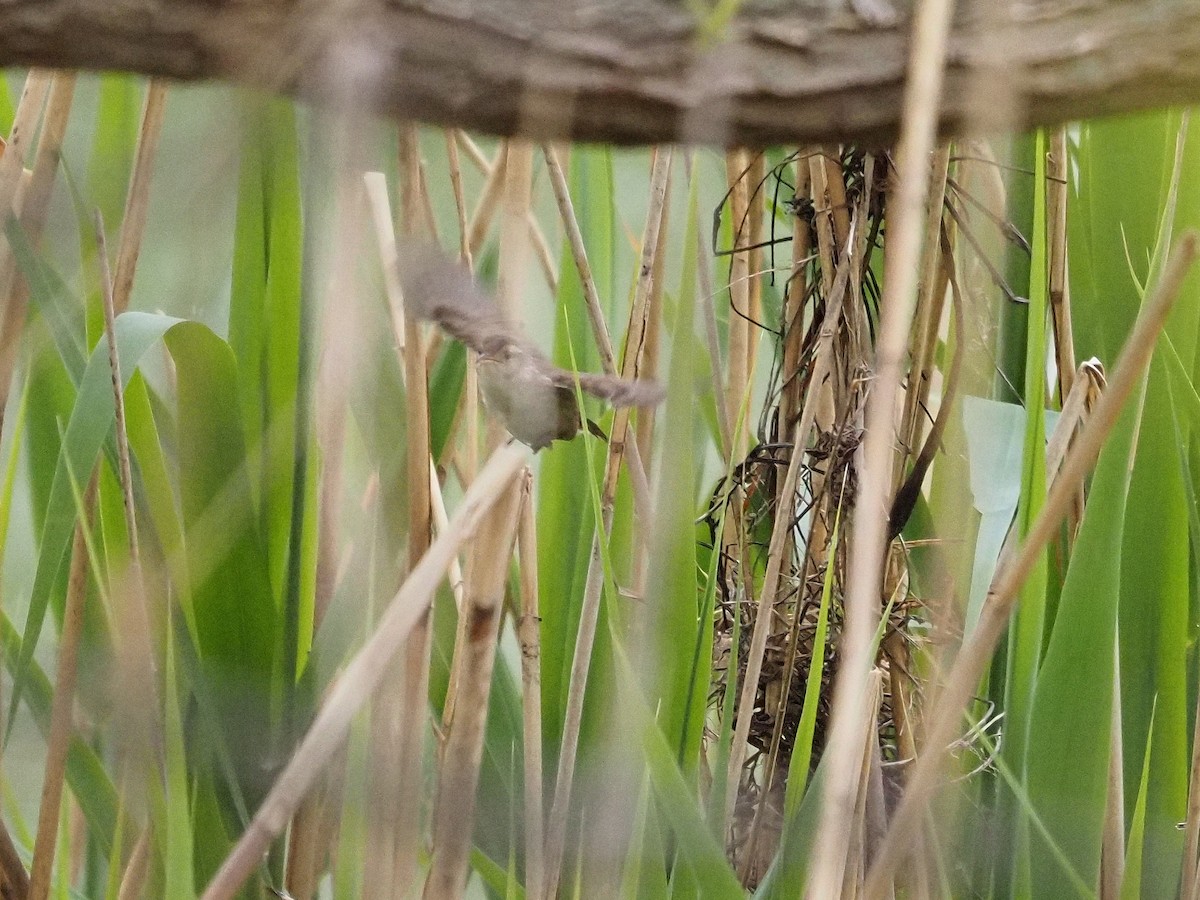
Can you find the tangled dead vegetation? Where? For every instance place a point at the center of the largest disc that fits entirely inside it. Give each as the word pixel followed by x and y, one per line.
pixel 817 392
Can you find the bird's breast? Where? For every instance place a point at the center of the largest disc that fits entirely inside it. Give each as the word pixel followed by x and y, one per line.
pixel 533 410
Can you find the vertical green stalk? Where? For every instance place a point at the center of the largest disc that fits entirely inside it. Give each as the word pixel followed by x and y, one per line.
pixel 1026 633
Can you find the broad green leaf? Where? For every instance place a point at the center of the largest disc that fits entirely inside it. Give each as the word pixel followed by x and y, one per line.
pixel 679 670
pixel 1131 884
pixel 235 613
pixel 1026 631
pixel 1117 223
pixel 564 522
pixel 1068 746
pixel 86 774
pixel 177 852
pixel 86 430
pixel 676 801
pixel 113 143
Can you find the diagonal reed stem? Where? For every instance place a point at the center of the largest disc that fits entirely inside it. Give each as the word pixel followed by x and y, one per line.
pixel 1002 598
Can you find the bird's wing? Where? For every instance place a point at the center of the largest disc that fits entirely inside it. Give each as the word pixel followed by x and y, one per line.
pixel 616 391
pixel 438 289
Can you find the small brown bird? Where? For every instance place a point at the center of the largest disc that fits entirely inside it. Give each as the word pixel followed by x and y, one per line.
pixel 534 398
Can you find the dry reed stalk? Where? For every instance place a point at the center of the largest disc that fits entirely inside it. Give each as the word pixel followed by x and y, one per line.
pixel 641 447
pixel 543 254
pixel 931 300
pixel 454 807
pixel 835 188
pixel 331 432
pixel 441 521
pixel 138 673
pixel 1057 173
pixel 483 216
pixel 514 235
pixel 35 203
pixel 12 190
pixel 1086 387
pixel 510 288
pixel 713 341
pixel 31 207
pixel 781 531
pixel 414 702
pixel 827 244
pixel 736 392
pixel 137 200
pixel 1002 596
pixel 473 152
pixel 903 709
pixel 364 674
pixel 13 877
pixel 460 201
pixel 398 718
pixel 590 609
pixel 529 636
pixel 737 365
pixel 469 405
pixel 869 799
pixel 902 260
pixel 795 296
pixel 376 186
pixel 58 740
pixel 137 869
pixel 828 254
pixel 566 211
pixel 756 178
pixel 385 235
pixel 305 854
pixel 387 715
pixel 1190 884
pixel 29 112
pixel 489 201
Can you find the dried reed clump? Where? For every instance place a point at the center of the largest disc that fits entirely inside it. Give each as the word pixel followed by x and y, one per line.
pixel 818 391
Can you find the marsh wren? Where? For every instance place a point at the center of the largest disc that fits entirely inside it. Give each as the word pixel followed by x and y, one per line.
pixel 534 398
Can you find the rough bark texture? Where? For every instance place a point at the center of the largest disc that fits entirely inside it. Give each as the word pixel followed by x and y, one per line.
pixel 629 71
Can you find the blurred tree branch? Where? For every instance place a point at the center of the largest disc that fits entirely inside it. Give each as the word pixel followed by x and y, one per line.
pixel 629 71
